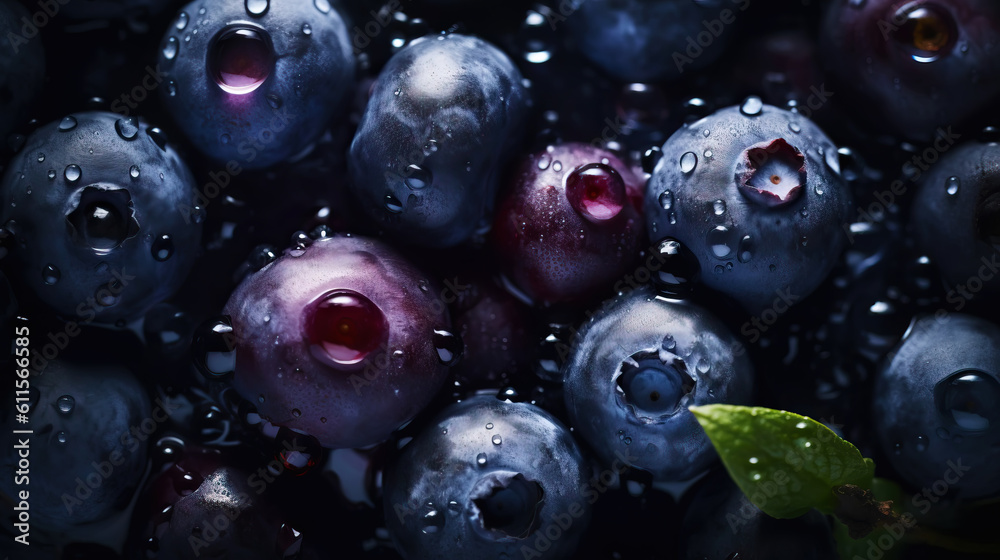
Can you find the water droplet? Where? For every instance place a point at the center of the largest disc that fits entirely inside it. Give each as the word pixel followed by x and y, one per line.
pixel 65 404
pixel 392 204
pixel 182 21
pixel 794 127
pixel 41 157
pixel 719 207
pixel 496 439
pixel 225 139
pixel 273 100
pixel 557 166
pixel 668 343
pixel 62 437
pixel 158 137
pixel 489 426
pixel 134 171
pixel 481 459
pixel 688 162
pixel 745 250
pixel 432 520
pixel 52 174
pixel 67 124
pixel 257 8
pixel 921 443
pixel 754 460
pixel 718 240
pixel 171 88
pixel 952 184
pixel 163 247
pixel 72 173
pixel 322 5
pixel 719 269
pixel 650 158
pixel 418 177
pixel 127 128
pixel 296 412
pixel 448 346
pixel 752 106
pixel 703 366
pixel 214 348
pixel 667 200
pixel 51 275
pixel 170 49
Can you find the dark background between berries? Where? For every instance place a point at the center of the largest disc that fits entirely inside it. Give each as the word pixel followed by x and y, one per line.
pixel 818 359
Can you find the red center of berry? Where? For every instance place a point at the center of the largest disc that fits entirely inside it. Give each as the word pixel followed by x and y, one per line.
pixel 344 327
pixel 771 173
pixel 240 59
pixel 596 191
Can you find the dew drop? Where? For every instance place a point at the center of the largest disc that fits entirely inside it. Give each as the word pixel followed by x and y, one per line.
pixel 688 162
pixel 171 88
pixel 952 184
pixel 752 106
pixel 418 177
pixel 224 139
pixel 718 240
pixel 65 404
pixel 72 173
pixel 182 21
pixel 163 247
pixel 67 124
pixel 719 207
pixel 62 437
pixel 51 275
pixel 170 49
pixel 392 204
pixel 921 443
pixel 41 157
pixel 307 29
pixel 127 128
pixel 134 171
pixel 257 8
pixel 489 426
pixel 703 366
pixel 273 100
pixel 322 5
pixel 667 200
pixel 745 250
pixel 481 459
pixel 448 346
pixel 668 343
pixel 794 127
pixel 432 521
pixel 52 174
pixel 496 439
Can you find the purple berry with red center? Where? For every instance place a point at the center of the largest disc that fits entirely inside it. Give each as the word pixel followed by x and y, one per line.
pixel 444 116
pixel 914 66
pixel 755 192
pixel 956 221
pixel 101 211
pixel 489 479
pixel 570 224
pixel 342 340
pixel 634 370
pixel 255 83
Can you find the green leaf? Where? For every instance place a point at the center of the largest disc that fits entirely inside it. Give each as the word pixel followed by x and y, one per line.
pixel 785 463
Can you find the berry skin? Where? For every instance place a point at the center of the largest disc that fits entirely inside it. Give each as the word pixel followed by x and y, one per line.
pixel 570 224
pixel 956 221
pixel 88 448
pixel 22 67
pixel 489 479
pixel 640 40
pixel 339 340
pixel 255 83
pixel 100 210
pixel 634 370
pixel 443 118
pixel 936 405
pixel 913 66
pixel 756 193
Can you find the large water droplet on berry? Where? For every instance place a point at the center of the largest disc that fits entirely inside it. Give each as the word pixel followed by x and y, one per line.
pixel 65 404
pixel 720 243
pixel 214 347
pixel 72 173
pixel 752 106
pixel 952 185
pixel 182 21
pixel 240 58
pixel 343 327
pixel 127 127
pixel 67 124
pixel 970 400
pixel 596 191
pixel 418 177
pixel 678 269
pixel 322 5
pixel 449 347
pixel 392 204
pixel 688 161
pixel 257 8
pixel 170 49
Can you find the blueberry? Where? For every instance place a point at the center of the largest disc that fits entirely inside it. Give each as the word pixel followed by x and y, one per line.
pixel 756 193
pixel 488 479
pixel 936 405
pixel 254 83
pixel 443 117
pixel 22 67
pixel 956 221
pixel 722 523
pixel 634 370
pixel 206 505
pixel 640 40
pixel 342 340
pixel 100 210
pixel 570 224
pixel 913 66
pixel 88 451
